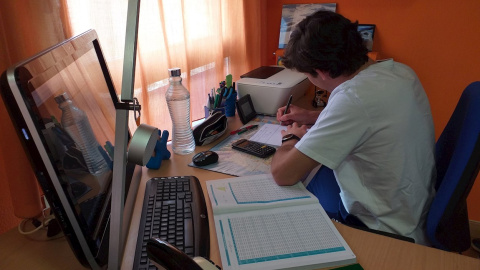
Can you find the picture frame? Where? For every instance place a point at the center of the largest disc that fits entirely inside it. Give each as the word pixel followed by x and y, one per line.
pixel 245 109
pixel 367 31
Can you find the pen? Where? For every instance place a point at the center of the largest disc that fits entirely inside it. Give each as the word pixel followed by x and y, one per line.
pixel 241 130
pixel 288 104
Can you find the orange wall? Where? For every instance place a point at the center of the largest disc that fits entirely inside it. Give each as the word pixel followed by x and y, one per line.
pixel 440 40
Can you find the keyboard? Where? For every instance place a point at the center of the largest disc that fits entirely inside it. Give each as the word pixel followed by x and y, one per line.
pixel 174 210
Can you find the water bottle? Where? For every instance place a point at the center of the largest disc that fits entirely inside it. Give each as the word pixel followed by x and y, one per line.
pixel 178 101
pixel 76 124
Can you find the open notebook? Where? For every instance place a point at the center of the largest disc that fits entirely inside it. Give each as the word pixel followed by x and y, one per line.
pixel 261 225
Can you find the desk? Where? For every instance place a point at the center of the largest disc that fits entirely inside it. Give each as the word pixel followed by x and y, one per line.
pixel 373 251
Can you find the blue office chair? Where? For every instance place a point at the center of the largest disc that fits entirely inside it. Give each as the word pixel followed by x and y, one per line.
pixel 457 157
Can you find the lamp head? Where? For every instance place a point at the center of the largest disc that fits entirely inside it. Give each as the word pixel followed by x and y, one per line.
pixel 142 144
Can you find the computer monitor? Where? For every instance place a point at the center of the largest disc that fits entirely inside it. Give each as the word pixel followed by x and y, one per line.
pixel 79 196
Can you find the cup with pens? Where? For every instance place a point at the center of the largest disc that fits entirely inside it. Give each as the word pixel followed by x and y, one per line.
pixel 223 99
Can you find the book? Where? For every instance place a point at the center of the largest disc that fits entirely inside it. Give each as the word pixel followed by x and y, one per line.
pixel 260 225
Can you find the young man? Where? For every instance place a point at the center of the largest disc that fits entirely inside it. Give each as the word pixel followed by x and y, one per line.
pixel 376 133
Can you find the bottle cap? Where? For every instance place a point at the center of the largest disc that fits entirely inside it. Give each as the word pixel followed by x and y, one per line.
pixel 174 72
pixel 61 98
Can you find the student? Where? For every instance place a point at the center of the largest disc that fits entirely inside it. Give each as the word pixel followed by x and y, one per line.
pixel 376 132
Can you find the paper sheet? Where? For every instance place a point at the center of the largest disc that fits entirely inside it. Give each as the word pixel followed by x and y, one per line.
pixel 270 134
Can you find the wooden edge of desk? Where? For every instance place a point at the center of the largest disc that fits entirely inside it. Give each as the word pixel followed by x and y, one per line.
pixel 376 251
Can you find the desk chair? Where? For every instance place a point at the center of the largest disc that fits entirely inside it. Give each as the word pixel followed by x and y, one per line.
pixel 457 156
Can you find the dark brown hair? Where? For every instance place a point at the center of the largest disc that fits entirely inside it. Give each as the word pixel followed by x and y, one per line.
pixel 326 41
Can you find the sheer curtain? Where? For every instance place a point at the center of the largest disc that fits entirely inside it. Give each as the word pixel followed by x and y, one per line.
pixel 205 38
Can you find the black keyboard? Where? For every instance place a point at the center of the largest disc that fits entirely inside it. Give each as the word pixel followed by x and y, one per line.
pixel 175 211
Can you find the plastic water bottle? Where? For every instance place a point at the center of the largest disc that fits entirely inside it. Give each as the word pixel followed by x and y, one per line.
pixel 178 101
pixel 76 123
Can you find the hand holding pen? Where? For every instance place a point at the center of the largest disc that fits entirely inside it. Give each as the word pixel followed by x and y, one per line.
pixel 297 114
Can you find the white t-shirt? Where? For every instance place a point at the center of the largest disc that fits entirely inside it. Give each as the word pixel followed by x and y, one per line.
pixel 377 135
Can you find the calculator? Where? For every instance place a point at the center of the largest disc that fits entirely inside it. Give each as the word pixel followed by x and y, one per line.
pixel 254 148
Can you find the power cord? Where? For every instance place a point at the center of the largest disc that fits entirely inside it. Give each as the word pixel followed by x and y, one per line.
pixel 37 223
pixel 46 222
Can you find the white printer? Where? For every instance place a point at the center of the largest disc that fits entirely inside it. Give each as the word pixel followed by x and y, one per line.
pixel 271 86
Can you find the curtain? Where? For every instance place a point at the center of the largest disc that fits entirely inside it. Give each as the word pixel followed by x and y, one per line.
pixel 26 27
pixel 207 39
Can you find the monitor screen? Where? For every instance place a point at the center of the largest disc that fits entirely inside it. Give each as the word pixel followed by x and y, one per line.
pixel 62 102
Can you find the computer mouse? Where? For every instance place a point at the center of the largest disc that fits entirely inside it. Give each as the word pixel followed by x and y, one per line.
pixel 205 158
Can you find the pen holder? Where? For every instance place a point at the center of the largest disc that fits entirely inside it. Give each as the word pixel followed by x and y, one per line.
pixel 230 104
pixel 209 112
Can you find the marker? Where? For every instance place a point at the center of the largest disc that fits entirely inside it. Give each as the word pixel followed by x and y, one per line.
pixel 241 130
pixel 247 129
pixel 229 93
pixel 228 81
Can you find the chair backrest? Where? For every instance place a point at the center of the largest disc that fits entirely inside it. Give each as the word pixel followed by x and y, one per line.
pixel 457 156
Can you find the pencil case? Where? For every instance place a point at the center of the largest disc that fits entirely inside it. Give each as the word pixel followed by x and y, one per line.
pixel 211 129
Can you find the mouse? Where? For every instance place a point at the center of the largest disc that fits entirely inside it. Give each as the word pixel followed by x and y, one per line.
pixel 205 158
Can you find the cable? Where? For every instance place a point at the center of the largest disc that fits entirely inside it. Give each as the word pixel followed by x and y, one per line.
pixel 42 224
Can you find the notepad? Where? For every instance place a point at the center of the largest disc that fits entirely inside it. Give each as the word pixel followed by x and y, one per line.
pixel 270 134
pixel 261 225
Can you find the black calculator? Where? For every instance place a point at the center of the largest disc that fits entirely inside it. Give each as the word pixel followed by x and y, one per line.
pixel 254 148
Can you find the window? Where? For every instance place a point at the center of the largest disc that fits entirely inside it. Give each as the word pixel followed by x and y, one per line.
pixel 205 38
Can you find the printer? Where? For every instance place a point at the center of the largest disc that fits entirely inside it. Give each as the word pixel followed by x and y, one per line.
pixel 271 86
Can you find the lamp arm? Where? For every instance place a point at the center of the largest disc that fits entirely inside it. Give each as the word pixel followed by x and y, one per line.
pixel 116 244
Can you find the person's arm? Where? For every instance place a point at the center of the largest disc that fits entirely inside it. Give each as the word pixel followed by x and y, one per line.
pixel 288 164
pixel 298 115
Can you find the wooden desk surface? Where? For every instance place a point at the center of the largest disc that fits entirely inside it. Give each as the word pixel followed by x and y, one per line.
pixel 373 251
